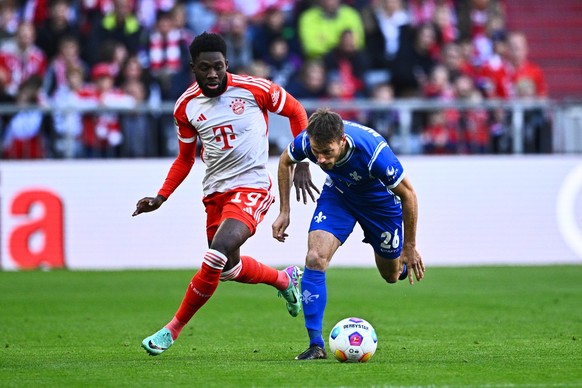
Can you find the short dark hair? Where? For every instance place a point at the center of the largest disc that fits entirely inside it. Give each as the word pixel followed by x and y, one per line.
pixel 325 126
pixel 207 42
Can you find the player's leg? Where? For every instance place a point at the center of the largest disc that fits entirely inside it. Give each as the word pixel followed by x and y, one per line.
pixel 391 270
pixel 226 237
pixel 198 292
pixel 249 206
pixel 330 227
pixel 383 230
pixel 252 271
pixel 321 247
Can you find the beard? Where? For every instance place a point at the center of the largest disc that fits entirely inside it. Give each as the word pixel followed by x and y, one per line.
pixel 213 92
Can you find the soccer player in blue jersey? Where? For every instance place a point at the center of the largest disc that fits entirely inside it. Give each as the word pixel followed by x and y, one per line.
pixel 365 184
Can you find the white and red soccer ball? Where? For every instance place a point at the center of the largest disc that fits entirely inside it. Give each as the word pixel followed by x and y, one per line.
pixel 353 340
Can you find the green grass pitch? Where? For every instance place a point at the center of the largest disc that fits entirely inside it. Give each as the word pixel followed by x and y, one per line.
pixel 460 327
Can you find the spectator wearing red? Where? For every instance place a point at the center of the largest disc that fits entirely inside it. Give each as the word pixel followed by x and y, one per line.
pixel 478 21
pixel 473 124
pixel 22 57
pixel 348 65
pixel 493 76
pixel 440 135
pixel 36 11
pixel 421 11
pixel 493 81
pixel 165 51
pixel 456 64
pixel 521 69
pixel 445 21
pixel 474 16
pixel 102 131
pixel 439 86
pixel 424 11
pixel 5 79
pixel 527 80
pixel 27 132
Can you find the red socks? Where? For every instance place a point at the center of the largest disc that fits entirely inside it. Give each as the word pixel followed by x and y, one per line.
pixel 200 289
pixel 253 272
pixel 206 280
pixel 250 271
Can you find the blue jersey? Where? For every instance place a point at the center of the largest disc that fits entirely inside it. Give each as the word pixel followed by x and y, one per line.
pixel 369 169
pixel 357 190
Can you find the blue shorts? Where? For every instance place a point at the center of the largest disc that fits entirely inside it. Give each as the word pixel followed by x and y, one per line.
pixel 380 219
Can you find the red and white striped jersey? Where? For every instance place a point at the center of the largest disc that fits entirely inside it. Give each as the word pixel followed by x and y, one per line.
pixel 22 64
pixel 233 129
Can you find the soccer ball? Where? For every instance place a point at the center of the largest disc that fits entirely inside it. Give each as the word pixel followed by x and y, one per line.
pixel 353 340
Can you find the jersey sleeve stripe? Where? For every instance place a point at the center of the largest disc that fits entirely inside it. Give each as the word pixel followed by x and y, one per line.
pixel 282 101
pixel 251 81
pixel 186 139
pixel 375 156
pixel 262 87
pixel 191 91
pixel 397 182
pixel 291 155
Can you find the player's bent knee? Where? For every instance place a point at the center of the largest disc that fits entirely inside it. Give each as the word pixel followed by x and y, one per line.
pixel 390 278
pixel 316 263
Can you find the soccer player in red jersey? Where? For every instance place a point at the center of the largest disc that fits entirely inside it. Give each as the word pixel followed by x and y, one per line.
pixel 228 114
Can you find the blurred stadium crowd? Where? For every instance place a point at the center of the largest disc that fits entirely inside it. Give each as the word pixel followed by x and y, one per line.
pixel 99 54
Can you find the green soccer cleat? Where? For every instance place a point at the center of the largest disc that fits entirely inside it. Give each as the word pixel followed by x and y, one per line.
pixel 292 294
pixel 158 343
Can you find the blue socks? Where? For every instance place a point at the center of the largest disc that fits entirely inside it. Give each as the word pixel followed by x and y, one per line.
pixel 314 300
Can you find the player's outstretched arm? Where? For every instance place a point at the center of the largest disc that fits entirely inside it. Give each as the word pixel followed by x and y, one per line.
pixel 410 255
pixel 303 183
pixel 148 204
pixel 284 177
pixel 178 172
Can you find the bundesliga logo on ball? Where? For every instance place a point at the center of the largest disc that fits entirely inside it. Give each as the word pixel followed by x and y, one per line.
pixel 353 340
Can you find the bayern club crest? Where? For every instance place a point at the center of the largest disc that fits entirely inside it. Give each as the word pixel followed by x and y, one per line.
pixel 238 106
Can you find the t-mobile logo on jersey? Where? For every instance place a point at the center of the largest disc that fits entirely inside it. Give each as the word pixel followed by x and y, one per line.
pixel 223 134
